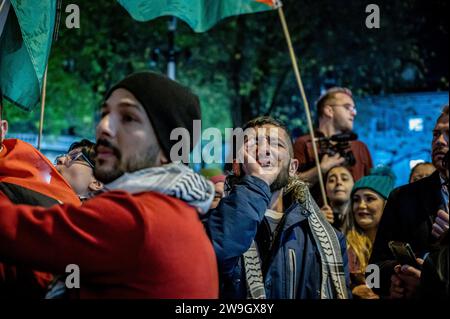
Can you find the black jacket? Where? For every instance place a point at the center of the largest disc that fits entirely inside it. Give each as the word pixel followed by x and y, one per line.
pixel 408 217
pixel 434 280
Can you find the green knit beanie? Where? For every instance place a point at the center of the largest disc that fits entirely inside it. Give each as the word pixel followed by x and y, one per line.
pixel 381 180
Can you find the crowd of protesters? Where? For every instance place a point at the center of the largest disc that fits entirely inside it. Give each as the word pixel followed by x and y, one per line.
pixel 141 226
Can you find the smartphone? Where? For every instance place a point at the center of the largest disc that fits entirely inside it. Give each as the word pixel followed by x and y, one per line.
pixel 403 253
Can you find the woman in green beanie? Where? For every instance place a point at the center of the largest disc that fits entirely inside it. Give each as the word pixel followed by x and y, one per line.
pixel 368 198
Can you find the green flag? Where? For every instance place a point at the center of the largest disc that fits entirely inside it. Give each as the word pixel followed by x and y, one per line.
pixel 201 15
pixel 25 44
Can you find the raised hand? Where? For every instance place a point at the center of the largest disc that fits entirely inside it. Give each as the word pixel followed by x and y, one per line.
pixel 327 211
pixel 440 225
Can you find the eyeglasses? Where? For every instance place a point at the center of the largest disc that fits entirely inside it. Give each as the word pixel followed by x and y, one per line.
pixel 348 107
pixel 74 157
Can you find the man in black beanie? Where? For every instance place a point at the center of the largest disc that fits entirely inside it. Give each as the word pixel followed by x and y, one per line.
pixel 137 239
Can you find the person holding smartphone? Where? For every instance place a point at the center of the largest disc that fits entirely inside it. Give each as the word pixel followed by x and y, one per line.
pixel 417 214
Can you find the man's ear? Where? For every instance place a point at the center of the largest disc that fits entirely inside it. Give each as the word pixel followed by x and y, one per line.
pixel 4 129
pixel 95 185
pixel 328 111
pixel 293 166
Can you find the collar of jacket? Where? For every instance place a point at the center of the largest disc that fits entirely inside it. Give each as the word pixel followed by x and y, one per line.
pixel 295 214
pixel 431 193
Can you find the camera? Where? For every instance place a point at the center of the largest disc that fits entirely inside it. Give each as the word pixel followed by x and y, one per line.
pixel 338 144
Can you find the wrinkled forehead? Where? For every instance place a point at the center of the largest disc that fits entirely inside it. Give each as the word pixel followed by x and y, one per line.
pixel 267 130
pixel 442 122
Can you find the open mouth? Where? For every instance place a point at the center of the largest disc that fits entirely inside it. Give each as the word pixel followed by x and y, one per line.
pixel 363 214
pixel 265 163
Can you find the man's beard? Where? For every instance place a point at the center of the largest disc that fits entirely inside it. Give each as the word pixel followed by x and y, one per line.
pixel 439 163
pixel 282 179
pixel 134 163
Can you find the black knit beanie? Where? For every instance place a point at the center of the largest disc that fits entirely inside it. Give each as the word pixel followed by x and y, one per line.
pixel 168 104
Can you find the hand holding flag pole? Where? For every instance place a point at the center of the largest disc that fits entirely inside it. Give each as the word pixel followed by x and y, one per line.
pixel 279 6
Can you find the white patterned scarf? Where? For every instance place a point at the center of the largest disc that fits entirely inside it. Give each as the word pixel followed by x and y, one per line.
pixel 175 180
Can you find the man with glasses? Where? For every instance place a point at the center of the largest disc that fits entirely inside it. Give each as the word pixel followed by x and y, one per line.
pixel 336 111
pixel 77 167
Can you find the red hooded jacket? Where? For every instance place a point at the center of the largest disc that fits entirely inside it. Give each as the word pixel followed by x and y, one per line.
pixel 27 177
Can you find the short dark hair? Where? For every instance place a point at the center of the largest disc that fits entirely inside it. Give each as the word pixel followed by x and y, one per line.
pixel 87 148
pixel 417 166
pixel 264 120
pixel 329 95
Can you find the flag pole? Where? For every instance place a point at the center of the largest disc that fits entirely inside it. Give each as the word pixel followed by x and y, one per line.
pixel 41 121
pixel 279 6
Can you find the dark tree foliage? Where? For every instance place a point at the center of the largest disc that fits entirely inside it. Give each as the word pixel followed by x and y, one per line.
pixel 241 68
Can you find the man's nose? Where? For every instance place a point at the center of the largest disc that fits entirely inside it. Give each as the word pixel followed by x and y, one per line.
pixel 442 139
pixel 263 147
pixel 107 127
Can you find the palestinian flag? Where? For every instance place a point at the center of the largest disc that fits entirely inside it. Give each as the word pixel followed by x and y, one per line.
pixel 28 177
pixel 200 15
pixel 26 32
